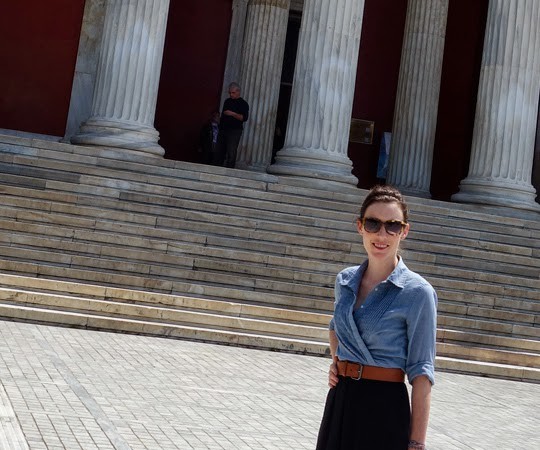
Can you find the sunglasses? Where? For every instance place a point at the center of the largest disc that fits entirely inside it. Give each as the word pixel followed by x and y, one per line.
pixel 392 227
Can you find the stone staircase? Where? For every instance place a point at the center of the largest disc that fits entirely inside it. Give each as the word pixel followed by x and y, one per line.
pixel 109 240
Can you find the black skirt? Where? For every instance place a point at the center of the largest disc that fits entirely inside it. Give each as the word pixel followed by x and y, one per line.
pixel 365 414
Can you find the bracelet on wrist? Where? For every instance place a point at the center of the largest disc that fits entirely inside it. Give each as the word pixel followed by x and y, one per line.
pixel 415 445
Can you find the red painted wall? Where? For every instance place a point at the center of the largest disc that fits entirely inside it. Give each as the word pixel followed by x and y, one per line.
pixel 457 101
pixel 192 73
pixel 376 82
pixel 38 51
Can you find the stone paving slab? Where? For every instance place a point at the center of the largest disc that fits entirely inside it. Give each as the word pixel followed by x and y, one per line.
pixel 63 388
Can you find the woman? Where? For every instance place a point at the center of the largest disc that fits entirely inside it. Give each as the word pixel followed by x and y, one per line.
pixel 384 326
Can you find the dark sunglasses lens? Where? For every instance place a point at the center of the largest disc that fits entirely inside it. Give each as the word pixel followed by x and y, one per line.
pixel 393 227
pixel 372 225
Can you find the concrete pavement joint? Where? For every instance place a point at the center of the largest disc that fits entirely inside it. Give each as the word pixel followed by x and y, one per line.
pixel 87 400
pixel 11 435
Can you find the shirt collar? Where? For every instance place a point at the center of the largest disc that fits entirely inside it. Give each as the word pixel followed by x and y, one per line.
pixel 352 278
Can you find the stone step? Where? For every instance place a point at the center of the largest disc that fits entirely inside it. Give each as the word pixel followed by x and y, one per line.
pixel 432 252
pixel 198 310
pixel 477 323
pixel 217 271
pixel 522 228
pixel 78 244
pixel 186 311
pixel 137 249
pixel 89 157
pixel 200 304
pixel 476 319
pixel 114 287
pixel 483 325
pixel 270 220
pixel 200 333
pixel 468 311
pixel 143 193
pixel 491 355
pixel 69 215
pixel 477 283
pixel 510 317
pixel 133 235
pixel 219 238
pixel 250 338
pixel 120 161
pixel 516 267
pixel 445 335
pixel 505 371
pixel 416 240
pixel 345 247
pixel 195 310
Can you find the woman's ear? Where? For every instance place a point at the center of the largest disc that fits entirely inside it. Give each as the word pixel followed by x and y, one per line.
pixel 405 231
pixel 359 226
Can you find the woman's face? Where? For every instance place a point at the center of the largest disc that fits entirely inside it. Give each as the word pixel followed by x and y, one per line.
pixel 382 245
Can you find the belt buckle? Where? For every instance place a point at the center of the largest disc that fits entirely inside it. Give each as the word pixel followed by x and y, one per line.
pixel 360 370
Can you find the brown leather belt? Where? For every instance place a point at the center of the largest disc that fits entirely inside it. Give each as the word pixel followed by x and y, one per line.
pixel 358 371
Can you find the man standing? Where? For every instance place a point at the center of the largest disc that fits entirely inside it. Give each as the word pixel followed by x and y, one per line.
pixel 235 113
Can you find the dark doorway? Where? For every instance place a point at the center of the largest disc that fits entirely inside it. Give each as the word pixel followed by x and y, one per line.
pixel 192 73
pixel 287 76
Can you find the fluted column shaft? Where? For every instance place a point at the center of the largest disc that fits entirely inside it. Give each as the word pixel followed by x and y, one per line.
pixel 502 154
pixel 415 115
pixel 323 91
pixel 234 49
pixel 125 94
pixel 262 60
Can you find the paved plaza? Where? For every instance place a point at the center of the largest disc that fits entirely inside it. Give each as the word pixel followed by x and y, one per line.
pixel 63 388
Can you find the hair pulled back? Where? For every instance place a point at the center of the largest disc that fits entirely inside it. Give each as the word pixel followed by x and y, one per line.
pixel 385 194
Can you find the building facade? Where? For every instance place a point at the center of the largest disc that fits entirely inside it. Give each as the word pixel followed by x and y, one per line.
pixel 456 84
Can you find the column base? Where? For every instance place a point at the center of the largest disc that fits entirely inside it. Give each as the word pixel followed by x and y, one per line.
pixel 251 167
pixel 411 191
pixel 315 165
pixel 119 134
pixel 497 194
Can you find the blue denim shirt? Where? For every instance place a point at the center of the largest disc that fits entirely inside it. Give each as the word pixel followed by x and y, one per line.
pixel 396 326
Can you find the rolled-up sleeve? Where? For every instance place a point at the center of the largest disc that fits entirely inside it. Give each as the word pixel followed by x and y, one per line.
pixel 422 334
pixel 337 290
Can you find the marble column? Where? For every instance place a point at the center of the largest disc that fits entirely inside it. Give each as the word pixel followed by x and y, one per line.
pixel 125 94
pixel 262 61
pixel 80 106
pixel 317 135
pixel 417 100
pixel 502 153
pixel 535 178
pixel 234 49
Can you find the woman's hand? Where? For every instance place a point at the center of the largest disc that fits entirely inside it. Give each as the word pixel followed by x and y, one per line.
pixel 333 372
pixel 333 375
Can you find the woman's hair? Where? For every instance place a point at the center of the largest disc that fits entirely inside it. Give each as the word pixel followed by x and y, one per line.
pixel 384 194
